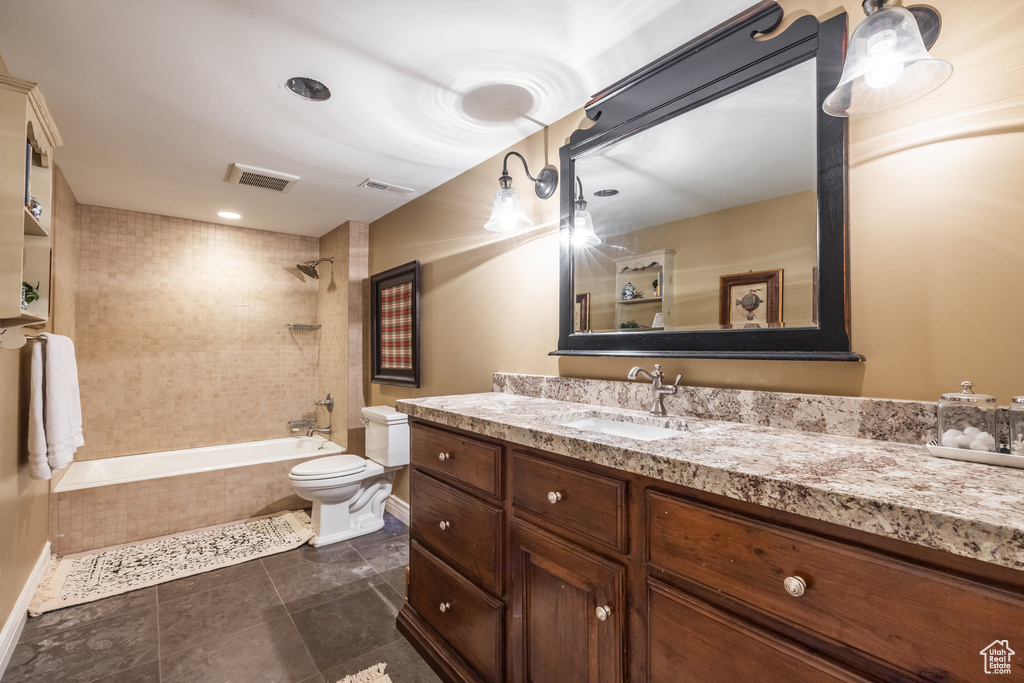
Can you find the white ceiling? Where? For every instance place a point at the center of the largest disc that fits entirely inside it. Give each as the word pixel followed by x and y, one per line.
pixel 154 98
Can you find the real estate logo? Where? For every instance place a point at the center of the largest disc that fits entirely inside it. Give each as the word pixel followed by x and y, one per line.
pixel 997 657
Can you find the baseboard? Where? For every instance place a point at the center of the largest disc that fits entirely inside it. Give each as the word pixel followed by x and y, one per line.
pixel 399 508
pixel 16 619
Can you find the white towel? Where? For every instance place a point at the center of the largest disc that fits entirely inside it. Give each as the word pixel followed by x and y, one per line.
pixel 55 406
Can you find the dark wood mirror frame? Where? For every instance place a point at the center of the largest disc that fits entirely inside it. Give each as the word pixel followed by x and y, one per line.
pixel 722 61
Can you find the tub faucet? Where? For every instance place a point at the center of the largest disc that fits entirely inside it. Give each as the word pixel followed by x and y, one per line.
pixel 660 390
pixel 313 429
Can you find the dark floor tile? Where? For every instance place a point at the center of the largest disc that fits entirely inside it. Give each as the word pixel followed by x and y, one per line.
pixel 195 619
pixel 306 554
pixel 387 555
pixel 343 629
pixel 69 617
pixel 307 584
pixel 147 673
pixel 87 652
pixel 392 527
pixel 271 653
pixel 396 579
pixel 404 664
pixel 207 580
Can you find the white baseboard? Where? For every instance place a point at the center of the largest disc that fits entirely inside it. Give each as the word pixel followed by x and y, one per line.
pixel 399 508
pixel 16 619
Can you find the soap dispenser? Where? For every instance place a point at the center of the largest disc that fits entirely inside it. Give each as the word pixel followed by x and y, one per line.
pixel 968 420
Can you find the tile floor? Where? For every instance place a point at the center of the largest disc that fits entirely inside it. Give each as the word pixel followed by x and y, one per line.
pixel 310 615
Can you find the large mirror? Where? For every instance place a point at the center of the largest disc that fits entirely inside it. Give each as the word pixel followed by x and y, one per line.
pixel 715 190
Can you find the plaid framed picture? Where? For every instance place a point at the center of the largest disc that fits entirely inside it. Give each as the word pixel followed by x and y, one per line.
pixel 395 326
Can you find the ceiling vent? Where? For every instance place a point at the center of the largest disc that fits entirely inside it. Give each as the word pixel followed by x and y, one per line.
pixel 240 174
pixel 386 187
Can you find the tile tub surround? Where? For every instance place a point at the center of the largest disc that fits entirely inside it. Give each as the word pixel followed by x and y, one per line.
pixel 122 513
pixel 912 422
pixel 885 488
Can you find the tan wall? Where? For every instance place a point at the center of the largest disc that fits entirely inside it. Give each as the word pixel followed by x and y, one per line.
pixel 182 336
pixel 935 210
pixel 25 503
pixel 766 235
pixel 340 310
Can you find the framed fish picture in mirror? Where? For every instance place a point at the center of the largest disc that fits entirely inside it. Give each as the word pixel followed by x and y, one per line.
pixel 751 300
pixel 395 326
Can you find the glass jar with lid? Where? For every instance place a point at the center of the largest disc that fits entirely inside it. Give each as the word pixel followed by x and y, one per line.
pixel 1017 425
pixel 968 420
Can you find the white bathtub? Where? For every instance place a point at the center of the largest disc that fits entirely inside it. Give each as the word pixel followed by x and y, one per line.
pixel 103 472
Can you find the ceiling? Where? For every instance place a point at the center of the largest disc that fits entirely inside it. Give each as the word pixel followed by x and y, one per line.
pixel 155 98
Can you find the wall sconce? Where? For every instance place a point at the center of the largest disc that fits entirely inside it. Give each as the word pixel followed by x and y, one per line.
pixel 887 63
pixel 583 234
pixel 507 213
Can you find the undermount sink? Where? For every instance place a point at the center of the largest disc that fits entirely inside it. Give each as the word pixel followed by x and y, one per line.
pixel 630 430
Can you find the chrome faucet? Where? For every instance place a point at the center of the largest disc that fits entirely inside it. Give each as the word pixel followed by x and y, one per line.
pixel 313 429
pixel 660 390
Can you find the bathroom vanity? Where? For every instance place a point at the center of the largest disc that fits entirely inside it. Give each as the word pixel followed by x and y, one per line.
pixel 708 551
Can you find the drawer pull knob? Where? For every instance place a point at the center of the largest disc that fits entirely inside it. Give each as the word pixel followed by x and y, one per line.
pixel 554 497
pixel 603 612
pixel 446 606
pixel 795 586
pixel 444 525
pixel 444 456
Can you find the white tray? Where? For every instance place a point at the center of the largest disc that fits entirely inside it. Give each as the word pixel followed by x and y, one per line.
pixel 983 457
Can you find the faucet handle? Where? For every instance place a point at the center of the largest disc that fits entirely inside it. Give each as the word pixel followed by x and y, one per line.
pixel 678 377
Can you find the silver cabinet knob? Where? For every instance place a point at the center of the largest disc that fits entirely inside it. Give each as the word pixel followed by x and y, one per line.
pixel 554 497
pixel 795 586
pixel 603 612
pixel 446 606
pixel 444 456
pixel 444 525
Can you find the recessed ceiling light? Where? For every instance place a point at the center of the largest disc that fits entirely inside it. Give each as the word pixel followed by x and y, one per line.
pixel 229 214
pixel 308 88
pixel 606 193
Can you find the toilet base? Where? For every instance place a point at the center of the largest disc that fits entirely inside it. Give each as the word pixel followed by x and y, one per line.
pixel 362 515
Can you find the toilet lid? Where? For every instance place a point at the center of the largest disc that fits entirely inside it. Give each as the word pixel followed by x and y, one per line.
pixel 334 465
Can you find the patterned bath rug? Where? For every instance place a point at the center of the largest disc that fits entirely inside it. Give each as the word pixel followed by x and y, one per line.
pixel 375 674
pixel 85 577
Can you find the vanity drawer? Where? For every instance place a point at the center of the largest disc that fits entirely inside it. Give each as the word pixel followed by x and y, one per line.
pixel 463 530
pixel 925 622
pixel 564 498
pixel 474 463
pixel 689 641
pixel 471 621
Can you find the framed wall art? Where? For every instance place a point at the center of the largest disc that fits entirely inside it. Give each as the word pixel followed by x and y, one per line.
pixel 395 326
pixel 582 313
pixel 751 300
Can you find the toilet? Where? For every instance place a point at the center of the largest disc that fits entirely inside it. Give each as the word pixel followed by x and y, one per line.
pixel 348 492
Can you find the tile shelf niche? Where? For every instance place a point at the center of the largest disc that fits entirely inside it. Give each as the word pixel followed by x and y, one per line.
pixel 28 137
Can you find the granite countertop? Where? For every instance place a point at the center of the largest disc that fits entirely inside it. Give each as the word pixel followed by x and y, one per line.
pixel 885 488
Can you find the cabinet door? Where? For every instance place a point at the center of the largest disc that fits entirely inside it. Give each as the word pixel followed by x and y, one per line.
pixel 568 608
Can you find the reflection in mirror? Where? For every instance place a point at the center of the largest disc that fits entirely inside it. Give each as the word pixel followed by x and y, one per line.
pixel 714 222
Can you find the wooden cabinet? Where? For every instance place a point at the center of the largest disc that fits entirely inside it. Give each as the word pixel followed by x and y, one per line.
pixel 28 137
pixel 642 271
pixel 569 605
pixel 625 578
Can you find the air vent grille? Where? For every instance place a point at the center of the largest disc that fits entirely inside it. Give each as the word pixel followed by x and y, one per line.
pixel 240 174
pixel 386 187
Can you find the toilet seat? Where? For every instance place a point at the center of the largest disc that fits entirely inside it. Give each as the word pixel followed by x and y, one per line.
pixel 328 468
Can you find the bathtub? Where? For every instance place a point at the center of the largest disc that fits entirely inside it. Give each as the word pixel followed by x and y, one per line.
pixel 100 503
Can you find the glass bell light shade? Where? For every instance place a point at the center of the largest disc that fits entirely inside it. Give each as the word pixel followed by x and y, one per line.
pixel 507 213
pixel 887 65
pixel 583 234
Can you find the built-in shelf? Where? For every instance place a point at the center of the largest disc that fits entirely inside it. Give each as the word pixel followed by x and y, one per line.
pixel 25 318
pixel 641 300
pixel 33 226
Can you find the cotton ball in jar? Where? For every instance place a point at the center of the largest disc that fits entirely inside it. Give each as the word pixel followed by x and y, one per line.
pixel 983 442
pixel 950 436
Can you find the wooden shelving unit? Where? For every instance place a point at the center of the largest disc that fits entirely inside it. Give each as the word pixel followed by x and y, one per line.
pixel 28 137
pixel 642 270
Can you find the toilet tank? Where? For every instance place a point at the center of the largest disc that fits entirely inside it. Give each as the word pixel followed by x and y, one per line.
pixel 387 435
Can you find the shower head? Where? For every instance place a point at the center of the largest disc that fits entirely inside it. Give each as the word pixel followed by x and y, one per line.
pixel 310 268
